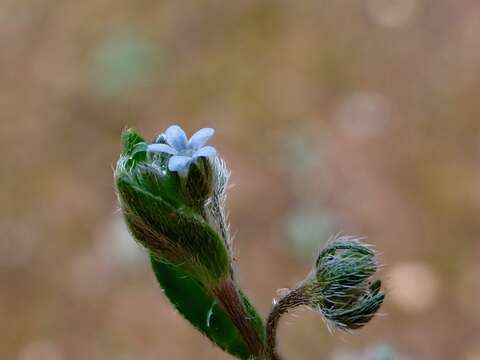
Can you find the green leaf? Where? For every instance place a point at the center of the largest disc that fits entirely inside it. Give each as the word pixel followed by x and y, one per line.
pixel 200 308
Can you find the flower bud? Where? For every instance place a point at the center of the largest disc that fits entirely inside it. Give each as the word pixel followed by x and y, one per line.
pixel 198 187
pixel 341 286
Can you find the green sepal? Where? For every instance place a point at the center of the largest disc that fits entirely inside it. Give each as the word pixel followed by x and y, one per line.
pixel 200 308
pixel 130 139
pixel 134 148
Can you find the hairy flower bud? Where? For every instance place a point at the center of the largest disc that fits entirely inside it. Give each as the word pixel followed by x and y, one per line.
pixel 341 286
pixel 198 187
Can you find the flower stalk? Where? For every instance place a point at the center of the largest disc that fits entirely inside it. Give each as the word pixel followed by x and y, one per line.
pixel 287 303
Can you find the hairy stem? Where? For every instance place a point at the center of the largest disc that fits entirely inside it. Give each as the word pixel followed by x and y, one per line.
pixel 290 301
pixel 230 300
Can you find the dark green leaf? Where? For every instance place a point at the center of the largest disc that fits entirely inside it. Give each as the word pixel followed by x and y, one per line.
pixel 200 308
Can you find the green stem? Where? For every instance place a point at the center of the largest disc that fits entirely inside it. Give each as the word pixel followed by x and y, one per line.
pixel 293 299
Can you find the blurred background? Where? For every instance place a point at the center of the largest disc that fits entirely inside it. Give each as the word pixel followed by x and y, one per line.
pixel 359 117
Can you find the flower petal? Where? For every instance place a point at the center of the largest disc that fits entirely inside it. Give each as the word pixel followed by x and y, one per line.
pixel 176 137
pixel 178 163
pixel 205 151
pixel 163 148
pixel 200 138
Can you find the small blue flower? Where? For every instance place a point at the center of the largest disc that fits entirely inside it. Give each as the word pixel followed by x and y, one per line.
pixel 184 151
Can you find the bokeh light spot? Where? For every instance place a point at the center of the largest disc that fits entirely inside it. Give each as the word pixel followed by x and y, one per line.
pixel 392 13
pixel 413 286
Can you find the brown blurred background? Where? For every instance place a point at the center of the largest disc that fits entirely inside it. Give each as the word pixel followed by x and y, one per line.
pixel 360 117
